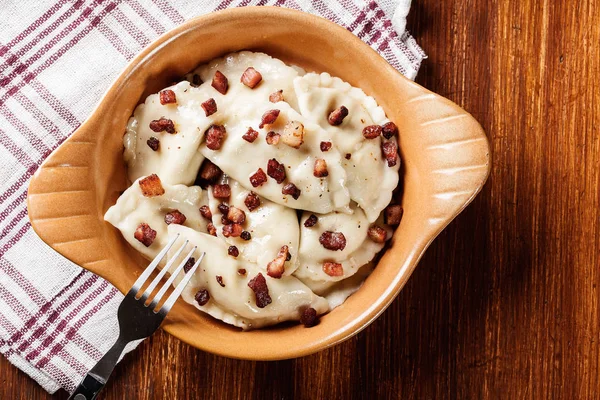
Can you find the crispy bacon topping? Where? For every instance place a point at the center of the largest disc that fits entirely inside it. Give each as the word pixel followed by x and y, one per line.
pixel 371 131
pixel 209 173
pixel 241 271
pixel 202 297
pixel 220 280
pixel 250 136
pixel 252 201
pixel 389 129
pixel 311 221
pixel 232 230
pixel 308 318
pixel 167 97
pixel 175 217
pixel 215 135
pixel 348 156
pixel 258 178
pixel 210 228
pixel 246 235
pixel 276 96
pixel 258 284
pixel 276 170
pixel 222 191
pixel 390 153
pixel 209 106
pixel 276 268
pixel 268 118
pixel 205 212
pixel 377 234
pixel 393 214
pixel 293 134
pixel 153 143
pixel 162 124
pixel 145 234
pixel 189 264
pixel 151 186
pixel 337 116
pixel 325 146
pixel 292 190
pixel 320 169
pixel 333 269
pixel 236 215
pixel 251 77
pixel 333 240
pixel 223 208
pixel 220 82
pixel 233 251
pixel 272 138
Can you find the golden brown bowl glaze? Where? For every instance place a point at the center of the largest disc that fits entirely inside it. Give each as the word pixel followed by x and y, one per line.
pixel 444 151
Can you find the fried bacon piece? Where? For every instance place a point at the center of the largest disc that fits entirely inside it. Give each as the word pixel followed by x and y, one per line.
pixel 167 97
pixel 145 234
pixel 236 215
pixel 153 143
pixel 276 96
pixel 371 131
pixel 325 146
pixel 268 118
pixel 389 129
pixel 246 235
pixel 377 234
pixel 251 77
pixel 220 280
pixel 276 268
pixel 162 125
pixel 276 170
pixel 333 240
pixel 320 169
pixel 333 269
pixel 258 284
pixel 233 251
pixel 209 174
pixel 252 201
pixel 311 221
pixel 209 107
pixel 272 138
pixel 189 264
pixel 215 135
pixel 205 212
pixel 309 318
pixel 151 186
pixel 392 214
pixel 337 116
pixel 390 153
pixel 202 297
pixel 292 190
pixel 258 178
pixel 175 217
pixel 232 230
pixel 220 82
pixel 222 191
pixel 250 136
pixel 293 134
pixel 210 228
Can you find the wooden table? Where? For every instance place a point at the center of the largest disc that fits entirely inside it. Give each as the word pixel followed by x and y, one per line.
pixel 505 304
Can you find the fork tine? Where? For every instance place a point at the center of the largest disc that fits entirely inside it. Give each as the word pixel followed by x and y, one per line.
pixel 142 278
pixel 177 292
pixel 162 273
pixel 169 282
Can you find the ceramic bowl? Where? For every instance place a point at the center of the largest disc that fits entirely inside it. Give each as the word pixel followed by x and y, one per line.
pixel 444 151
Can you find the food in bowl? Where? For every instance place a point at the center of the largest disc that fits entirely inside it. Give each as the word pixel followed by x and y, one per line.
pixel 282 177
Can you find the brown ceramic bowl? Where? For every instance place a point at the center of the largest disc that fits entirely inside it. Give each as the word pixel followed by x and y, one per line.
pixel 445 156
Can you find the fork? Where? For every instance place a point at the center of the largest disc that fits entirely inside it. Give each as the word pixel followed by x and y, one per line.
pixel 138 320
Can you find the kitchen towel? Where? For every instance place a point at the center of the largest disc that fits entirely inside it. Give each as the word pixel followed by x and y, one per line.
pixel 57 58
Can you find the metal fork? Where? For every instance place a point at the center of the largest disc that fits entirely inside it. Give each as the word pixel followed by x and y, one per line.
pixel 138 320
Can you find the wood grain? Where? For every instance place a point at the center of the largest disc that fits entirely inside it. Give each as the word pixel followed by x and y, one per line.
pixel 505 304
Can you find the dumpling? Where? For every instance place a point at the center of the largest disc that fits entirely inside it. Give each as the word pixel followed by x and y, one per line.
pixel 368 178
pixel 233 301
pixel 270 225
pixel 358 250
pixel 241 159
pixel 133 208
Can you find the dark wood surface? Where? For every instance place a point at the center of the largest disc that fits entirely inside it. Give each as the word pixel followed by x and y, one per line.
pixel 505 304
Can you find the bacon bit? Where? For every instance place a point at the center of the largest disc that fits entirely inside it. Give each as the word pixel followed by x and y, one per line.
pixel 320 169
pixel 276 96
pixel 151 186
pixel 189 264
pixel 236 215
pixel 205 212
pixel 276 268
pixel 175 217
pixel 145 234
pixel 202 297
pixel 268 118
pixel 272 138
pixel 223 208
pixel 210 228
pixel 246 235
pixel 220 280
pixel 348 156
pixel 258 284
pixel 293 134
pixel 390 152
pixel 250 136
pixel 162 124
pixel 276 170
pixel 153 143
pixel 333 240
pixel 333 269
pixel 222 191
pixel 196 80
pixel 377 234
pixel 251 77
pixel 233 251
pixel 232 230
pixel 224 220
pixel 291 189
pixel 220 82
pixel 209 106
pixel 325 146
pixel 311 221
pixel 393 214
pixel 308 318
pixel 252 201
pixel 389 129
pixel 371 131
pixel 337 116
pixel 258 178
pixel 215 135
pixel 241 271
pixel 167 97
pixel 209 174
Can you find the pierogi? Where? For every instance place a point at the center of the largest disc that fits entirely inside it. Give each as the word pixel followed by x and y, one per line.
pixel 283 178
